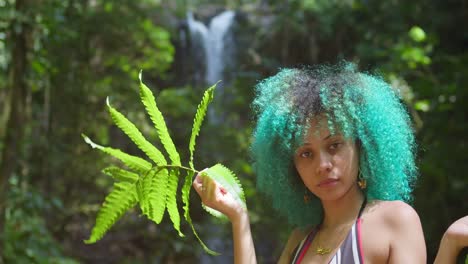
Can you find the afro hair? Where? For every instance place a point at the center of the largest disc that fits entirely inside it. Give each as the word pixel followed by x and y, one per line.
pixel 360 105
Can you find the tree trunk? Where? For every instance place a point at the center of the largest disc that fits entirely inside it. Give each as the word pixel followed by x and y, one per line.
pixel 5 112
pixel 15 121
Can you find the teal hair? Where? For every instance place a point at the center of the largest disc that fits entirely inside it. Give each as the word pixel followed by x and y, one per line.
pixel 362 106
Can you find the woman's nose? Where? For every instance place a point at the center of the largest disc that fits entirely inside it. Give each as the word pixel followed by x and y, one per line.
pixel 325 163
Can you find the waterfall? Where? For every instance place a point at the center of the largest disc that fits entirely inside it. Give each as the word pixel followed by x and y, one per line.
pixel 212 39
pixel 215 47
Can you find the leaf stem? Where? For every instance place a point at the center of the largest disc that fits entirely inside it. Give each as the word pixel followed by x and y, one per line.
pixel 159 168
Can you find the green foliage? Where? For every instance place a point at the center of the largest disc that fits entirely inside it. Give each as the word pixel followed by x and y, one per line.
pixel 135 135
pixel 228 180
pixel 154 185
pixel 157 194
pixel 135 163
pixel 156 116
pixel 119 174
pixel 118 201
pixel 27 238
pixel 74 64
pixel 171 199
pixel 417 34
pixel 199 116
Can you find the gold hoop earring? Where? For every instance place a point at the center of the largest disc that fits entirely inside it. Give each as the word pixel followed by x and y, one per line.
pixel 362 183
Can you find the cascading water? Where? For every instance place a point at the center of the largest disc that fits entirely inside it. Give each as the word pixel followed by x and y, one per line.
pixel 216 54
pixel 212 39
pixel 216 47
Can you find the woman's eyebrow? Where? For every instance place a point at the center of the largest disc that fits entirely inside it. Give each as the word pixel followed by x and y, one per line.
pixel 327 137
pixel 332 136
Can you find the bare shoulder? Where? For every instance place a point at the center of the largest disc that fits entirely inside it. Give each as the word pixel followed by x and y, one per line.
pixel 398 213
pixel 393 218
pixel 296 236
pixel 400 239
pixel 300 232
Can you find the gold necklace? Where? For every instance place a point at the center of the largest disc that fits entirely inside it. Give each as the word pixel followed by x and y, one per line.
pixel 321 250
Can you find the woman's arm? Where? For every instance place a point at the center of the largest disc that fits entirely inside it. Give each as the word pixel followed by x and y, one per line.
pixel 453 241
pixel 407 243
pixel 244 250
pixel 215 196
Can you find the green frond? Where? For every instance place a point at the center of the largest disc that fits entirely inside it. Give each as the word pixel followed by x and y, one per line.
pixel 135 163
pixel 186 194
pixel 156 116
pixel 229 181
pixel 140 197
pixel 186 200
pixel 136 136
pixel 156 190
pixel 119 200
pixel 142 192
pixel 199 116
pixel 171 200
pixel 119 174
pixel 157 195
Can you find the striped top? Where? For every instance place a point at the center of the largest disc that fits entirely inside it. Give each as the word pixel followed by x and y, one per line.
pixel 350 251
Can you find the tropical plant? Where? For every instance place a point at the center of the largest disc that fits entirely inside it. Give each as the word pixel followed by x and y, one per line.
pixel 153 184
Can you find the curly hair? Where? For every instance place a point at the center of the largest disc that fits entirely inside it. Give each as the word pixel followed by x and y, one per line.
pixel 360 105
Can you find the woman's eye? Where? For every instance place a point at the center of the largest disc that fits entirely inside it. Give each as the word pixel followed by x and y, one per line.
pixel 305 154
pixel 335 145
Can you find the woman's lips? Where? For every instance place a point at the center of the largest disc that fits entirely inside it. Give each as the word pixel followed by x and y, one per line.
pixel 328 183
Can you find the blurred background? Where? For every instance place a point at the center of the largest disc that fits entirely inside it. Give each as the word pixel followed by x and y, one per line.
pixel 60 59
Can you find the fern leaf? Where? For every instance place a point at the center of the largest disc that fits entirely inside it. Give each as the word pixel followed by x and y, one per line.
pixel 142 200
pixel 146 192
pixel 119 174
pixel 157 195
pixel 140 196
pixel 229 181
pixel 119 200
pixel 199 116
pixel 135 163
pixel 147 189
pixel 156 116
pixel 186 194
pixel 171 200
pixel 186 200
pixel 135 135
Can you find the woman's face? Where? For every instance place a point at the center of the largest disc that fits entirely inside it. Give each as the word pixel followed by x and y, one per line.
pixel 327 163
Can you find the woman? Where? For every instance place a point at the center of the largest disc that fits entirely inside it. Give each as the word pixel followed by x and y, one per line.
pixel 334 151
pixel 453 241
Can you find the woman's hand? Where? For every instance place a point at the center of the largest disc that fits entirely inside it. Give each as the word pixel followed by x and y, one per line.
pixel 217 197
pixel 454 240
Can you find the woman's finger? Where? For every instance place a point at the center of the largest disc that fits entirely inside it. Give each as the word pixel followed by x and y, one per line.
pixel 198 184
pixel 209 187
